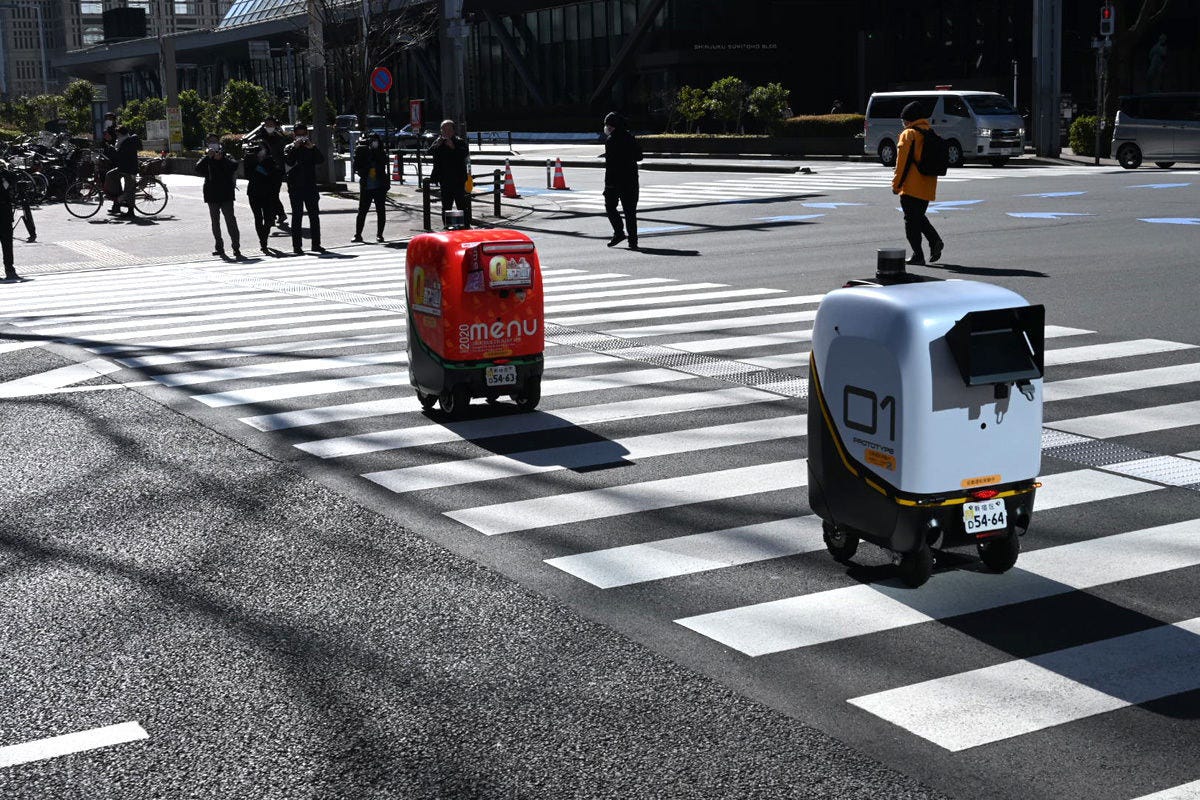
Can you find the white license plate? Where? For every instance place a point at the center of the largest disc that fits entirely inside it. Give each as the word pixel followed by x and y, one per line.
pixel 989 515
pixel 503 375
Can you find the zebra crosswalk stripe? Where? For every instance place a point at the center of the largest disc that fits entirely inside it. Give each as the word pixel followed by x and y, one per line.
pixel 591 454
pixel 592 504
pixel 987 705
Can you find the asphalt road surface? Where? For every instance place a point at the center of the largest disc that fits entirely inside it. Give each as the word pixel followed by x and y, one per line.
pixel 239 559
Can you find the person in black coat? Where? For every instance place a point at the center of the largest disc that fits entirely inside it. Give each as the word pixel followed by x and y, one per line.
pixel 271 134
pixel 621 156
pixel 449 154
pixel 263 179
pixel 7 182
pixel 220 184
pixel 301 159
pixel 374 180
pixel 124 157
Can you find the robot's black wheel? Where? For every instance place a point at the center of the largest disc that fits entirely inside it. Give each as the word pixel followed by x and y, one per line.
pixel 427 401
pixel 1000 554
pixel 454 401
pixel 841 542
pixel 916 567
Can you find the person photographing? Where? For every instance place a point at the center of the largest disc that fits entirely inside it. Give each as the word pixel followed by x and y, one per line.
pixel 301 159
pixel 449 154
pixel 220 184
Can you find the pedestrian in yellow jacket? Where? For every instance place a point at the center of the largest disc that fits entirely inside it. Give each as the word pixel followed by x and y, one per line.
pixel 916 190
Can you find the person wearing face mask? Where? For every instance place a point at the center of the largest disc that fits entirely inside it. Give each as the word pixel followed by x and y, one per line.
pixel 621 156
pixel 220 184
pixel 124 157
pixel 371 167
pixel 449 154
pixel 263 179
pixel 301 159
pixel 271 134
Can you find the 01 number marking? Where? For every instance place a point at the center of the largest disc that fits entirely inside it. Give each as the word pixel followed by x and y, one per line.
pixel 856 401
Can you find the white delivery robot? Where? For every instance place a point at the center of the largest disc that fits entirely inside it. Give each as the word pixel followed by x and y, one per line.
pixel 925 417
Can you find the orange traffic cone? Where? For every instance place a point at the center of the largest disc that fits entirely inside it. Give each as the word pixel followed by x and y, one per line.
pixel 560 182
pixel 510 187
pixel 396 174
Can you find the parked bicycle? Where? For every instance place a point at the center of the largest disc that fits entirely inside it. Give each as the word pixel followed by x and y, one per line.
pixel 86 195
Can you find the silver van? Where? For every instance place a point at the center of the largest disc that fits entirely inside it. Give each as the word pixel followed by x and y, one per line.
pixel 978 125
pixel 1163 128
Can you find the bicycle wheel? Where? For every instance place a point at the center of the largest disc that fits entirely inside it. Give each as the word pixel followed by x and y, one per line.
pixel 41 185
pixel 151 198
pixel 83 199
pixel 24 190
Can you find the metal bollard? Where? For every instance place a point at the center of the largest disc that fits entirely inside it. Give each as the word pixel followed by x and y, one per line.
pixel 425 204
pixel 497 182
pixel 548 162
pixel 467 210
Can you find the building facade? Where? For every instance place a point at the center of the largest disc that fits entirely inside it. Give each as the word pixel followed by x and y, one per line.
pixel 537 65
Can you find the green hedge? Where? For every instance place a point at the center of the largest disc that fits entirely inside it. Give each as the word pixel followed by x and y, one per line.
pixel 1082 138
pixel 822 126
pixel 8 134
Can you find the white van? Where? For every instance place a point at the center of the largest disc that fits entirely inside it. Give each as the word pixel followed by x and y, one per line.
pixel 977 125
pixel 1163 128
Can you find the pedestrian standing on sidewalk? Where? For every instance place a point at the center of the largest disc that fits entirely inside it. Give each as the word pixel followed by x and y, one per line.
pixel 301 159
pixel 220 184
pixel 916 189
pixel 263 179
pixel 371 167
pixel 7 183
pixel 449 154
pixel 621 156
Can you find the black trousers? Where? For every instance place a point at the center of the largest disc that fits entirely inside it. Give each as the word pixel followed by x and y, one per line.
pixel 365 198
pixel 6 235
pixel 265 214
pixel 916 223
pixel 27 218
pixel 454 196
pixel 301 203
pixel 628 198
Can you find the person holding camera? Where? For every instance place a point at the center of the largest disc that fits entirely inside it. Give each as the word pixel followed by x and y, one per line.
pixel 301 159
pixel 449 154
pixel 220 184
pixel 270 134
pixel 371 167
pixel 263 179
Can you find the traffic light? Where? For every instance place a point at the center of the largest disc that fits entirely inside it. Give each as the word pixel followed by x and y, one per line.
pixel 1108 19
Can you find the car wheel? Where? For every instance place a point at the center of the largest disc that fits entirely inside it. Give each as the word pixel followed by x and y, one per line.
pixel 887 153
pixel 954 153
pixel 1129 156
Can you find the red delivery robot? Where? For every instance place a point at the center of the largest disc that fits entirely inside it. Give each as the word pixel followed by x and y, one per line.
pixel 475 319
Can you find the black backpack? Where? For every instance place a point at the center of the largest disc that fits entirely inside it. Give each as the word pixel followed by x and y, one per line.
pixel 935 155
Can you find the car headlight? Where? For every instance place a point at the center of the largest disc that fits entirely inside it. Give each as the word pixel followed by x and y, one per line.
pixel 985 132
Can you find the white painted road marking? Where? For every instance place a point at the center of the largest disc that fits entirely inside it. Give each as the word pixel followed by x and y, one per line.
pixel 56 746
pixel 988 705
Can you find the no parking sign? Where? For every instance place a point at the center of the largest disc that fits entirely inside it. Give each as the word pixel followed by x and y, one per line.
pixel 381 80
